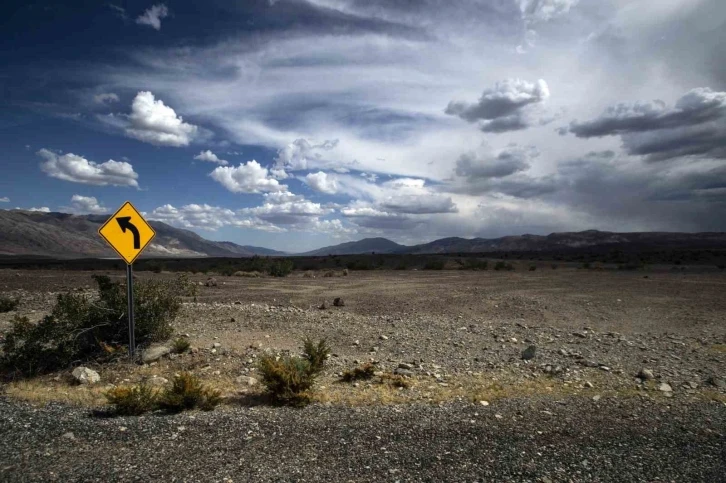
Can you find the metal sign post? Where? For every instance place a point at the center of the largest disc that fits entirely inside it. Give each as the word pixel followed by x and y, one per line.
pixel 130 297
pixel 128 233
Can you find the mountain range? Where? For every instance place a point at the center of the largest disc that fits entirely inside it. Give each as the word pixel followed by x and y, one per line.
pixel 65 235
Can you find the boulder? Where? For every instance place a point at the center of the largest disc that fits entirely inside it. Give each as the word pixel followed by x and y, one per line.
pixel 211 282
pixel 84 375
pixel 529 353
pixel 338 302
pixel 154 353
pixel 646 374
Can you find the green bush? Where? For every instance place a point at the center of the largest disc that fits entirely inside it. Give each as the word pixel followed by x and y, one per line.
pixel 474 264
pixel 7 304
pixel 181 345
pixel 187 392
pixel 290 378
pixel 80 328
pixel 132 401
pixel 532 268
pixel 280 268
pixel 503 266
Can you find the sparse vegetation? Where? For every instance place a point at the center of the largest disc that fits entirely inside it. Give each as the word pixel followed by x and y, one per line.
pixel 364 372
pixel 187 392
pixel 532 268
pixel 435 264
pixel 290 378
pixel 500 265
pixel 280 268
pixel 253 274
pixel 475 264
pixel 7 304
pixel 181 345
pixel 395 380
pixel 132 400
pixel 80 328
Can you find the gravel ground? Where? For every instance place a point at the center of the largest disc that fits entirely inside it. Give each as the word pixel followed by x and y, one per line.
pixel 574 412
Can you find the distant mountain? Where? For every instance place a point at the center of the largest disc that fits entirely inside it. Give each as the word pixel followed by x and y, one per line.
pixel 73 236
pixel 553 241
pixel 367 245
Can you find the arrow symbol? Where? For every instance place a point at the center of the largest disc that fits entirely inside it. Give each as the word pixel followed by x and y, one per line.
pixel 125 223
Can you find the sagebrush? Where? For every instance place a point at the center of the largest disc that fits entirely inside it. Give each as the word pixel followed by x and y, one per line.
pixel 7 304
pixel 364 372
pixel 132 401
pixel 82 328
pixel 290 378
pixel 188 392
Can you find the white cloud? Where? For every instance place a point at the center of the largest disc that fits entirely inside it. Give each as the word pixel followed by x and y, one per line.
pixel 287 209
pixel 151 121
pixel 4 199
pixel 295 156
pixel 534 11
pixel 250 177
pixel 206 217
pixel 153 15
pixel 42 209
pixel 71 167
pixel 105 98
pixel 321 182
pixel 86 204
pixel 210 157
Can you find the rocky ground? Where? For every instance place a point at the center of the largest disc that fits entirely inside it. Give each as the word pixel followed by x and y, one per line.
pixel 552 375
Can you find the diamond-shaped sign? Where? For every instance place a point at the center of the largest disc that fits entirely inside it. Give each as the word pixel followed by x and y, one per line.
pixel 127 232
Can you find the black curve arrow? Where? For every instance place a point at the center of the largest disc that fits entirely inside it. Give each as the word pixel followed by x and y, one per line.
pixel 125 223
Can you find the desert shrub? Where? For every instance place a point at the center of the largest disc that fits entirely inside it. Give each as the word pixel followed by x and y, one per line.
pixel 586 265
pixel 132 401
pixel 364 372
pixel 188 392
pixel 81 329
pixel 280 268
pixel 329 274
pixel 309 274
pixel 181 345
pixel 532 268
pixel 436 264
pixel 500 265
pixel 474 264
pixel 394 380
pixel 316 354
pixel 721 266
pixel 289 378
pixel 253 274
pixel 7 304
pixel 554 266
pixel 345 272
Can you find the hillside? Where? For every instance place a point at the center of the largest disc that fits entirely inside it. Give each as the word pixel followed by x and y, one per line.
pixel 367 245
pixel 72 236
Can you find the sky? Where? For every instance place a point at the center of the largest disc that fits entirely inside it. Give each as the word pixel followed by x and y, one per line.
pixel 295 124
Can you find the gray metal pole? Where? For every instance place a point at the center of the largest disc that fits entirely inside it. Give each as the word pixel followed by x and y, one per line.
pixel 130 298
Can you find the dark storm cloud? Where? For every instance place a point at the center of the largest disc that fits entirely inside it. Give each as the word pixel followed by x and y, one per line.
pixel 504 99
pixel 507 162
pixel 708 140
pixel 695 107
pixel 514 122
pixel 419 205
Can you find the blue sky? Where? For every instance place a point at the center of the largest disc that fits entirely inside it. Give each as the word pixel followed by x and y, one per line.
pixel 294 124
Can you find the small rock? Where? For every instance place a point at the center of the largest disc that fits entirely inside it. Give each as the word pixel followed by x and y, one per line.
pixel 529 353
pixel 589 363
pixel 157 381
pixel 484 403
pixel 580 335
pixel 404 372
pixel 216 345
pixel 84 375
pixel 498 416
pixel 154 353
pixel 211 282
pixel 588 384
pixel 323 306
pixel 338 302
pixel 646 374
pixel 356 343
pixel 596 398
pixel 716 382
pixel 246 380
pixel 406 366
pixel 69 435
pixel 383 337
pixel 605 368
pixel 665 387
pixel 374 349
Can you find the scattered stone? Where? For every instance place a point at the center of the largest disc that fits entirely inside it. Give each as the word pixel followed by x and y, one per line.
pixel 323 306
pixel 246 381
pixel 646 374
pixel 84 375
pixel 498 416
pixel 717 382
pixel 596 398
pixel 404 365
pixel 216 345
pixel 154 353
pixel 69 435
pixel 588 384
pixel 563 352
pixel 211 282
pixel 581 335
pixel 374 349
pixel 404 372
pixel 356 343
pixel 589 363
pixel 665 387
pixel 157 381
pixel 383 337
pixel 529 353
pixel 484 403
pixel 338 302
pixel 605 368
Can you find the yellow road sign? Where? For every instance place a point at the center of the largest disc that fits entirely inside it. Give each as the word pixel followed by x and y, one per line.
pixel 127 232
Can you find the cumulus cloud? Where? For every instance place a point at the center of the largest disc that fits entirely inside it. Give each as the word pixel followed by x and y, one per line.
pixel 71 167
pixel 42 209
pixel 4 199
pixel 105 98
pixel 534 11
pixel 295 156
pixel 696 125
pixel 86 204
pixel 321 182
pixel 206 217
pixel 151 121
pixel 209 156
pixel 503 107
pixel 250 177
pixel 485 164
pixel 287 209
pixel 153 15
